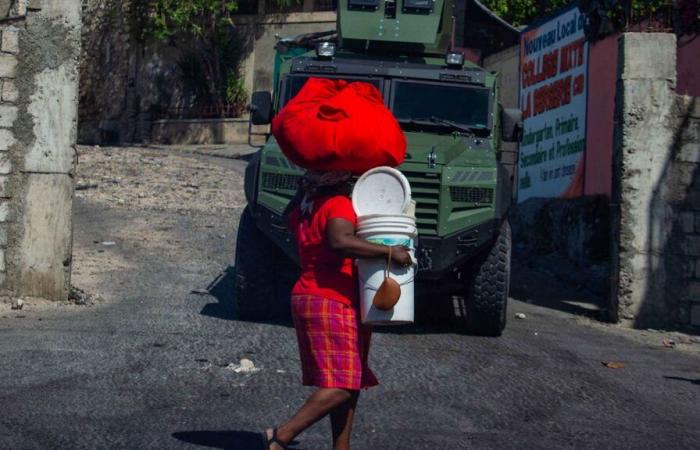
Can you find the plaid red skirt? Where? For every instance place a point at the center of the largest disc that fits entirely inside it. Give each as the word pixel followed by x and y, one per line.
pixel 333 345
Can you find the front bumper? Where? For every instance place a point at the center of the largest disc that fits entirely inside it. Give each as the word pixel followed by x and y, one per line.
pixel 436 255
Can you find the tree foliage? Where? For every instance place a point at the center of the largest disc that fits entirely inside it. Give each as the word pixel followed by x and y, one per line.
pixel 198 18
pixel 205 33
pixel 523 12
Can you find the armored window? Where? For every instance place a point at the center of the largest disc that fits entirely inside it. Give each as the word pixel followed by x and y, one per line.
pixel 420 6
pixel 363 4
pixel 293 83
pixel 433 102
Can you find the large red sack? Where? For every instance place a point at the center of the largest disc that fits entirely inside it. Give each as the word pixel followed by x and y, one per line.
pixel 336 125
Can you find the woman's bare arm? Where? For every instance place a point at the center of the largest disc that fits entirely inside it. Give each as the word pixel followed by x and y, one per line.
pixel 341 238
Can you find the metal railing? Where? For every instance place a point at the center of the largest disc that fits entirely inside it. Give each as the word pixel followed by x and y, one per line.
pixel 610 16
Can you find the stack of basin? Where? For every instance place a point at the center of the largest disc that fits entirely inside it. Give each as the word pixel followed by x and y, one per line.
pixel 381 199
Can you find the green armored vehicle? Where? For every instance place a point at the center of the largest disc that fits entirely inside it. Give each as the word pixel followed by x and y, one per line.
pixel 449 112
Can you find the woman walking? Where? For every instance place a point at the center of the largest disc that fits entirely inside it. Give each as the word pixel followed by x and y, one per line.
pixel 333 344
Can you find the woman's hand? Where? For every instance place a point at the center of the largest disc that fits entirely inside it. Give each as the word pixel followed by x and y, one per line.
pixel 401 255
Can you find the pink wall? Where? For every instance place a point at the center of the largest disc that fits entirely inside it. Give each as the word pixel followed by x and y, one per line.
pixel 689 65
pixel 602 82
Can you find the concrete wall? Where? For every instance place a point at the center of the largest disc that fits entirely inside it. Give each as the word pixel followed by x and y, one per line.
pixel 689 65
pixel 656 185
pixel 602 81
pixel 200 131
pixel 267 29
pixel 602 85
pixel 577 228
pixel 38 126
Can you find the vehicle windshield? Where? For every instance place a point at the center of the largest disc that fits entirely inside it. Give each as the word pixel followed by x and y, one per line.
pixel 441 104
pixel 294 83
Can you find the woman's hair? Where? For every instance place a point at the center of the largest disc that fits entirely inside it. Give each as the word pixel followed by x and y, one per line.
pixel 316 182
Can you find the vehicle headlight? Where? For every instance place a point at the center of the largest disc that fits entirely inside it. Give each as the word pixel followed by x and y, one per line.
pixel 454 59
pixel 325 50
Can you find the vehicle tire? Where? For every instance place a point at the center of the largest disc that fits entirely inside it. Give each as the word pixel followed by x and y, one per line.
pixel 489 286
pixel 258 283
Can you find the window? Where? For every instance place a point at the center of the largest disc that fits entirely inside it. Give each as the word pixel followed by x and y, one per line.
pixel 425 102
pixel 363 4
pixel 294 83
pixel 418 5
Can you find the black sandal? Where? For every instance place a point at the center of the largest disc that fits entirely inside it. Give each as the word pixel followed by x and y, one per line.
pixel 273 440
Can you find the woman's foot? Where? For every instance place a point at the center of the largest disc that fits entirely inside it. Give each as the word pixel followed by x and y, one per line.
pixel 273 441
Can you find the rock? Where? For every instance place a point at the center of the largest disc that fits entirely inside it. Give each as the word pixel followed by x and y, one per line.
pixel 80 297
pixel 683 339
pixel 613 364
pixel 245 366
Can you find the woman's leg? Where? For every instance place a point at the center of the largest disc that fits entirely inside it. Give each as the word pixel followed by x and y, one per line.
pixel 321 402
pixel 341 422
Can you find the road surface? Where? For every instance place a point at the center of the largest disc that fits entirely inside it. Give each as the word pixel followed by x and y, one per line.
pixel 151 363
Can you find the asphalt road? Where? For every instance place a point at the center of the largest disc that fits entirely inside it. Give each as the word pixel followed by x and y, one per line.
pixel 148 366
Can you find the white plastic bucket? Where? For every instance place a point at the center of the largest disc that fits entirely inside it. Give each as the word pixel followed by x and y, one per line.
pixel 371 272
pixel 391 225
pixel 386 218
pixel 379 230
pixel 382 190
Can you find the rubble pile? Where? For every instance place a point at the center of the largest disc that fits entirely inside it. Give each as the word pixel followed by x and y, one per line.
pixel 141 178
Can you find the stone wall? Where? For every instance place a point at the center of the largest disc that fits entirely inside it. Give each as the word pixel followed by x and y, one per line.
pixel 656 185
pixel 576 228
pixel 687 208
pixel 39 52
pixel 124 80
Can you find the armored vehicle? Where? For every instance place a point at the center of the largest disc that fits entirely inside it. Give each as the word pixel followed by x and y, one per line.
pixel 448 109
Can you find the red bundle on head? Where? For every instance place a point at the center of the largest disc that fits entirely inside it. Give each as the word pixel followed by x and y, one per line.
pixel 336 125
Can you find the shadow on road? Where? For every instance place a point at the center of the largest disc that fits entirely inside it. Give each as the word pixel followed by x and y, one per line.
pixel 230 440
pixel 222 289
pixel 236 440
pixel 689 380
pixel 432 317
pixel 539 281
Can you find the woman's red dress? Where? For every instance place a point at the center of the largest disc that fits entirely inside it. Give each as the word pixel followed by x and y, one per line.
pixel 333 344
